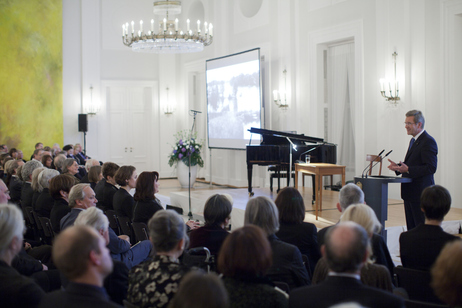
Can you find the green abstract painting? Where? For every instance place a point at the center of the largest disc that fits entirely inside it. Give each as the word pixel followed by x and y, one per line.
pixel 31 108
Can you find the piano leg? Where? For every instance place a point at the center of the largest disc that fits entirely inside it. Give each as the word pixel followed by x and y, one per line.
pixel 278 172
pixel 249 178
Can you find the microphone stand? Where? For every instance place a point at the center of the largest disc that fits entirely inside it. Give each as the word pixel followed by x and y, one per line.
pixel 190 153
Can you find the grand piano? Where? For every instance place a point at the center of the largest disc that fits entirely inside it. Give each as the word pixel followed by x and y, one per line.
pixel 275 150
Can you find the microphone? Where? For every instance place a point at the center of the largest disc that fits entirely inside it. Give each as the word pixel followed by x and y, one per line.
pixel 196 111
pixel 382 158
pixel 367 167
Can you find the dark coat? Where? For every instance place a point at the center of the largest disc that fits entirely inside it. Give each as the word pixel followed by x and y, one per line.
pixel 144 210
pixel 59 210
pixel 44 203
pixel 106 196
pixel 123 203
pixel 211 237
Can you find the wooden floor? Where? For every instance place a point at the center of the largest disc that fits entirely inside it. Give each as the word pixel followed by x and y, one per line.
pixel 329 214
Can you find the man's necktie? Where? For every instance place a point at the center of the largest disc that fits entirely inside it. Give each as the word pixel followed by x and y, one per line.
pixel 411 143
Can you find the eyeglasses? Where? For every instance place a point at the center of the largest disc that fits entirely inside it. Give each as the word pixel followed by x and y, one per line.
pixel 408 123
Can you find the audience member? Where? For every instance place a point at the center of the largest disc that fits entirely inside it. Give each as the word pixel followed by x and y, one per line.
pixel 35 184
pixel 60 187
pixel 373 275
pixel 80 253
pixel 37 155
pixel 15 289
pixel 105 192
pixel 244 259
pixel 56 148
pixel 21 156
pixel 13 153
pixel 71 167
pixel 79 155
pixel 123 202
pixel 69 149
pixel 287 264
pixel 217 213
pixel 420 246
pixel 146 203
pixel 13 182
pixel 88 164
pixel 205 290
pixel 116 284
pixel 4 193
pixel 45 201
pixel 47 161
pixel 345 251
pixel 95 175
pixel 447 274
pixel 81 197
pixel 3 148
pixel 352 194
pixel 293 229
pixel 59 162
pixel 154 283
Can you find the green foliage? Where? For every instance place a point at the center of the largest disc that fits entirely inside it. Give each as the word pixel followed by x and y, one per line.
pixel 186 146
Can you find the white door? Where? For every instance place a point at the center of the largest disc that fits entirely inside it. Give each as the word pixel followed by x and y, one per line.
pixel 131 134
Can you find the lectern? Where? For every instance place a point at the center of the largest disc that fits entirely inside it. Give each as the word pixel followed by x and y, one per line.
pixel 375 190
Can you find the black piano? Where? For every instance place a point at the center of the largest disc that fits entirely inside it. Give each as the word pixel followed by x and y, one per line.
pixel 275 150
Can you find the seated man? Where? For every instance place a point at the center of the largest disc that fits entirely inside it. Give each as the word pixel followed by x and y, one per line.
pixel 81 255
pixel 81 197
pixel 105 192
pixel 345 251
pixel 420 246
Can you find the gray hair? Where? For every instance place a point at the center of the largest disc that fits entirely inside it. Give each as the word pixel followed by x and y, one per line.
pixel 350 194
pixel 28 168
pixel 418 116
pixel 77 193
pixel 19 173
pixel 45 176
pixel 59 160
pixel 166 230
pixel 35 181
pixel 11 225
pixel 94 218
pixel 90 163
pixel 262 212
pixel 68 162
pixel 346 244
pixel 11 165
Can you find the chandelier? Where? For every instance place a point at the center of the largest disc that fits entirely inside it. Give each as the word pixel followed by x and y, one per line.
pixel 165 36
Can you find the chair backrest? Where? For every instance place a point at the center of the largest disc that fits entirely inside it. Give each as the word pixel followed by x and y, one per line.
pixel 306 262
pixel 112 217
pixel 125 225
pixel 282 285
pixel 372 159
pixel 416 283
pixel 141 231
pixel 199 257
pixel 28 210
pixel 47 228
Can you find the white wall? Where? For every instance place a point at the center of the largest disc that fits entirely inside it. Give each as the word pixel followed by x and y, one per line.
pixel 421 32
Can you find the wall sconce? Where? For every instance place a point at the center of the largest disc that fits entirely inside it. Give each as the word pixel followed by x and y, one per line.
pixel 92 108
pixel 393 97
pixel 280 97
pixel 169 107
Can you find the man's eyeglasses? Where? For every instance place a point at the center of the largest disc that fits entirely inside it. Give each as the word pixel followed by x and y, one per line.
pixel 408 123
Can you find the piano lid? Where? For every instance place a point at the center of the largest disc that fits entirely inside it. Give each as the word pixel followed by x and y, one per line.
pixel 277 137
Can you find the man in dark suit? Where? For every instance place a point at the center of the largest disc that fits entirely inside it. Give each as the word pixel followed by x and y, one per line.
pixel 81 197
pixel 345 251
pixel 420 246
pixel 80 253
pixel 419 165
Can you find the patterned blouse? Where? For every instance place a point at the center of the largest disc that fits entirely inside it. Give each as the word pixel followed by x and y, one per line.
pixel 154 283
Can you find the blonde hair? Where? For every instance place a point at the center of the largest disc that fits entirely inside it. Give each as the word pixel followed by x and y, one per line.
pixel 35 179
pixel 363 215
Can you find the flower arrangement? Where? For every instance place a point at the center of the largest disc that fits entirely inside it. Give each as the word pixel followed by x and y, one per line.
pixel 186 146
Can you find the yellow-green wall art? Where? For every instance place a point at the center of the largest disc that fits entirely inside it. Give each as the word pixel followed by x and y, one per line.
pixel 31 103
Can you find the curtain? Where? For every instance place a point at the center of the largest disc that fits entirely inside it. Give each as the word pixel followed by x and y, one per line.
pixel 340 94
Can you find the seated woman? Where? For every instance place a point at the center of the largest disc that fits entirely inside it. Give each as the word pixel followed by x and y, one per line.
pixel 123 202
pixel 35 184
pixel 94 176
pixel 13 181
pixel 373 275
pixel 69 149
pixel 217 211
pixel 15 289
pixel 47 161
pixel 146 203
pixel 78 154
pixel 60 186
pixel 153 283
pixel 244 259
pixel 71 167
pixel 45 202
pixel 287 260
pixel 293 229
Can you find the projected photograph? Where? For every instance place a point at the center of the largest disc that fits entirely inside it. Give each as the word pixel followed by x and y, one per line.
pixel 233 94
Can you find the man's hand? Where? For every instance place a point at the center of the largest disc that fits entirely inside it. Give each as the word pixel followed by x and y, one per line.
pixel 27 246
pixel 44 267
pixel 125 238
pixel 401 167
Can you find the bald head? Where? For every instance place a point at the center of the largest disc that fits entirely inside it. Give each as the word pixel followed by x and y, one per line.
pixel 345 247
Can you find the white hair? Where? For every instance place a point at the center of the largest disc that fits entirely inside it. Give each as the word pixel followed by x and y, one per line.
pixel 90 163
pixel 92 217
pixel 45 176
pixel 11 225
